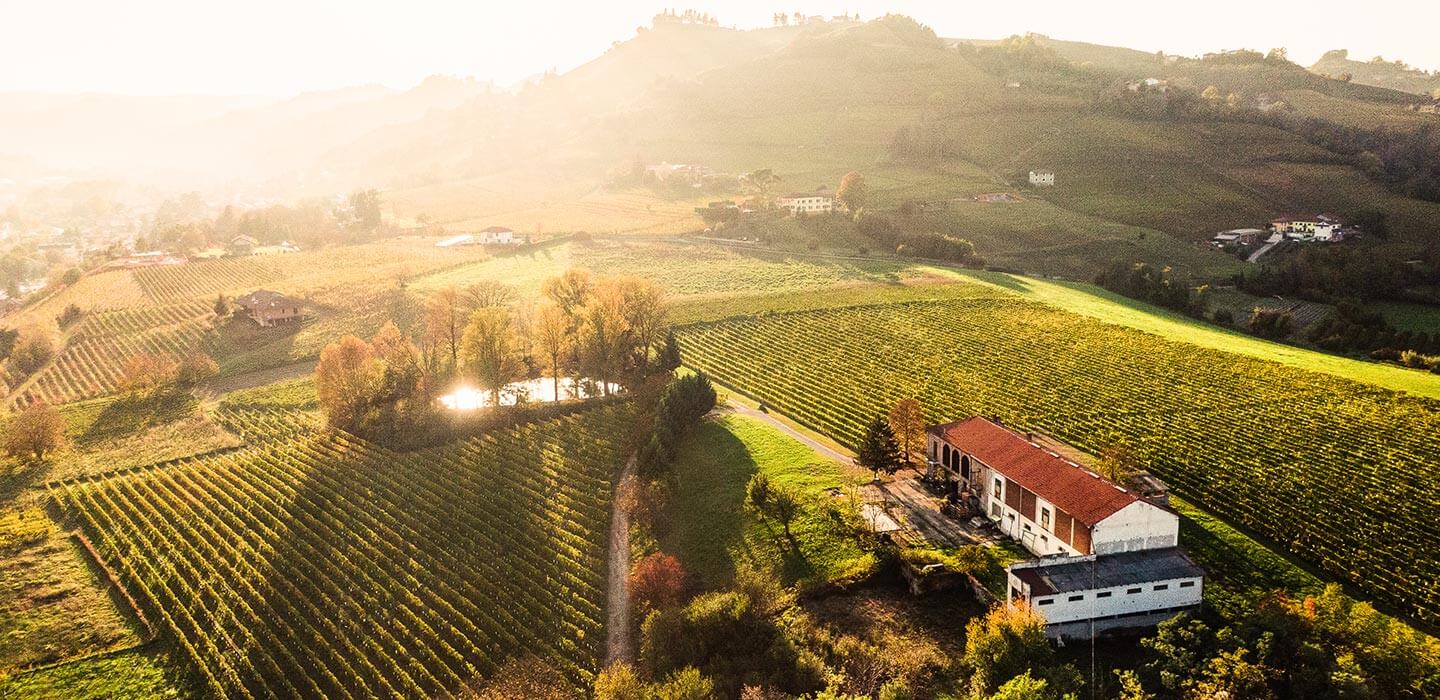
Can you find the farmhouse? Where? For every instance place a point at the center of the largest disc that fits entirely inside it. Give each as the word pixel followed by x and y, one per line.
pixel 1314 227
pixel 242 245
pixel 1070 517
pixel 808 202
pixel 1042 178
pixel 268 308
pixel 496 235
pixel 1046 502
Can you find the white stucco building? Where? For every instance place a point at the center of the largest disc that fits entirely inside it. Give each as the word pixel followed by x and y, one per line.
pixel 1081 597
pixel 1319 227
pixel 808 202
pixel 1060 511
pixel 497 235
pixel 1042 178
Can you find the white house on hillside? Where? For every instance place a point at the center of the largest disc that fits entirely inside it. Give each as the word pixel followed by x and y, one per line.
pixel 1042 178
pixel 1316 227
pixel 808 202
pixel 496 235
pixel 1063 513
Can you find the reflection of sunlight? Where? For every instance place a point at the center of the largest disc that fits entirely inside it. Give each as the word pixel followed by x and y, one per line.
pixel 468 398
pixel 464 398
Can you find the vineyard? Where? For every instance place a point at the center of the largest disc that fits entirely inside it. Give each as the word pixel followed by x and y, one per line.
pixel 680 268
pixel 1337 472
pixel 93 361
pixel 319 565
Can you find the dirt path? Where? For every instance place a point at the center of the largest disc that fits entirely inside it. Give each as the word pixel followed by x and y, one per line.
pixel 618 645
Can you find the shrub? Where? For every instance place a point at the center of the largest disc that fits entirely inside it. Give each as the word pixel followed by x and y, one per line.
pixel 657 582
pixel 36 432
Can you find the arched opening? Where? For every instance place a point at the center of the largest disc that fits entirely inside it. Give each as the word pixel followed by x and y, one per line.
pixel 965 467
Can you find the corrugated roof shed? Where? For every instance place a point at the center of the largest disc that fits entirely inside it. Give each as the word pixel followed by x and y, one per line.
pixel 1070 574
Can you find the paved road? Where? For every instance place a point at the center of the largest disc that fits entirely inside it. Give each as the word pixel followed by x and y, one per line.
pixel 618 645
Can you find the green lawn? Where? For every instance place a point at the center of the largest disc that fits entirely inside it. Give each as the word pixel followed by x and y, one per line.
pixel 1090 300
pixel 130 674
pixel 712 531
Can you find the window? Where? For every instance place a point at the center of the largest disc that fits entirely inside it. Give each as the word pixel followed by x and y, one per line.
pixel 1027 527
pixel 1162 587
pixel 999 491
pixel 995 509
pixel 1103 594
pixel 1044 601
pixel 1132 591
pixel 1045 519
pixel 1074 598
pixel 1187 584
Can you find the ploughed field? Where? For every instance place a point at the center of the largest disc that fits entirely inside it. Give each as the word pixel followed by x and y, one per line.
pixel 315 564
pixel 1338 472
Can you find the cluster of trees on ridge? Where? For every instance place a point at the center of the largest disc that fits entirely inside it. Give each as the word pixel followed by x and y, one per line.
pixel 607 330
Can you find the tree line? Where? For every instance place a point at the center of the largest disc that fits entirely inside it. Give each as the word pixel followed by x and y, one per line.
pixel 607 331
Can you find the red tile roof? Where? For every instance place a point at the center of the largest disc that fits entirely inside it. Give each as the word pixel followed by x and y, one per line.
pixel 1086 496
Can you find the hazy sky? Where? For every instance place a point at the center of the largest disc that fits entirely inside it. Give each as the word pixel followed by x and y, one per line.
pixel 280 47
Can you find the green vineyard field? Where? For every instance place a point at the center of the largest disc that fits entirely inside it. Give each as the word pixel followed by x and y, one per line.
pixel 315 564
pixel 1338 472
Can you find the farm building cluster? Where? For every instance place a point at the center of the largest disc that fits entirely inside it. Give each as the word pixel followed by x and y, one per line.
pixel 490 235
pixel 1304 228
pixel 1106 556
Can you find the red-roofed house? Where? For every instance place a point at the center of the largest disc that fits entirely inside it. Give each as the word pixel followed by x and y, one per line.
pixel 1046 502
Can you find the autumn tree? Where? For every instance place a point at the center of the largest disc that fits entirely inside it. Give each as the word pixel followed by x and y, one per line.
pixel 907 422
pixel 601 341
pixel 147 371
pixel 346 379
pixel 33 348
pixel 552 341
pixel 34 432
pixel 1007 642
pixel 197 368
pixel 1117 461
pixel 644 309
pixel 489 350
pixel 445 318
pixel 878 451
pixel 570 291
pixel 853 192
pixel 658 582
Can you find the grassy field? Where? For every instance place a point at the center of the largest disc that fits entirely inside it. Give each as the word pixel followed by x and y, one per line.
pixel 713 533
pixel 304 564
pixel 1094 302
pixel 1417 318
pixel 127 675
pixel 1262 443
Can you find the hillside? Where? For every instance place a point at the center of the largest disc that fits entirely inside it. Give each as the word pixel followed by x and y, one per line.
pixel 832 99
pixel 1394 75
